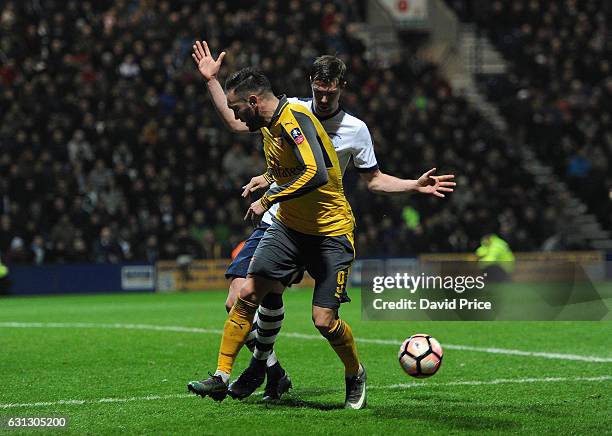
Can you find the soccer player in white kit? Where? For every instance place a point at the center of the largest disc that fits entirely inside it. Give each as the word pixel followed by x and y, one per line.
pixel 351 139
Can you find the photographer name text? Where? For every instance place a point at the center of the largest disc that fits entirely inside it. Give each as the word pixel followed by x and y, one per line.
pixel 421 283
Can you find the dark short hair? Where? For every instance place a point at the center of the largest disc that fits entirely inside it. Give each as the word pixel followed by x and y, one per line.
pixel 328 68
pixel 248 80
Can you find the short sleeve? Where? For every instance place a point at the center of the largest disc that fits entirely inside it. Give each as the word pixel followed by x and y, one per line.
pixel 364 157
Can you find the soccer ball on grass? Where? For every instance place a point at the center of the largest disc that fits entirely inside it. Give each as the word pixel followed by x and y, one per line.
pixel 420 355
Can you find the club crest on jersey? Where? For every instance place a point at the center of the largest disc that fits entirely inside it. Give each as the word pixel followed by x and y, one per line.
pixel 297 136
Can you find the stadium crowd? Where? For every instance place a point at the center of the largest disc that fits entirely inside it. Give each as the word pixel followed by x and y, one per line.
pixel 558 94
pixel 111 151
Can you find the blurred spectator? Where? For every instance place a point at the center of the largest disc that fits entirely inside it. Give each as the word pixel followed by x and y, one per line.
pixel 17 253
pixel 106 248
pixel 129 68
pixel 38 250
pixel 63 231
pixel 100 176
pixel 151 250
pixel 198 227
pixel 79 149
pixel 78 251
pixel 236 162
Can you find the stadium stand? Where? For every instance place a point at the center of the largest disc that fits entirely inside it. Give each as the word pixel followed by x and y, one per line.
pixel 558 92
pixel 111 151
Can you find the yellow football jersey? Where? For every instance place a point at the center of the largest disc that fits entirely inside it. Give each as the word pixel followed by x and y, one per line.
pixel 302 160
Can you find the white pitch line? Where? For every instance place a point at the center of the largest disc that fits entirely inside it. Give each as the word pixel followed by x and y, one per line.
pixel 423 384
pixel 545 355
pixel 181 329
pixel 498 381
pixel 507 351
pixel 100 401
pixel 91 325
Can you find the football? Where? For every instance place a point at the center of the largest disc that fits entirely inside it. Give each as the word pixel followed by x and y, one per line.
pixel 420 355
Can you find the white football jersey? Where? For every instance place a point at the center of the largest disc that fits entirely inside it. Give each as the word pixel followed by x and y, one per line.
pixel 351 138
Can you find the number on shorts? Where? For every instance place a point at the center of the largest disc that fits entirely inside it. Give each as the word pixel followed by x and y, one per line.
pixel 341 281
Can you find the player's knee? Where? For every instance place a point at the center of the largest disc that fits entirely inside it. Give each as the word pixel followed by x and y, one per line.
pixel 255 288
pixel 323 321
pixel 249 292
pixel 234 290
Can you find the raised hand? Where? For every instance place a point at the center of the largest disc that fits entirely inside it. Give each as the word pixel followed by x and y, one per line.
pixel 207 65
pixel 435 185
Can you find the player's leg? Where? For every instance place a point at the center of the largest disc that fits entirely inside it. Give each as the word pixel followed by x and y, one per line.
pixel 330 271
pixel 236 283
pixel 240 320
pixel 280 259
pixel 271 313
pixel 235 331
pixel 340 337
pixel 237 271
pixel 264 363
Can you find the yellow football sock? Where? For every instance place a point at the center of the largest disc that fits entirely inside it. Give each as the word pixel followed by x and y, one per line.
pixel 235 331
pixel 340 337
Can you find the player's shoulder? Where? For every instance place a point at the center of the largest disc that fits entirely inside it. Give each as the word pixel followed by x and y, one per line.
pixel 302 101
pixel 350 120
pixel 353 126
pixel 297 110
pixel 303 105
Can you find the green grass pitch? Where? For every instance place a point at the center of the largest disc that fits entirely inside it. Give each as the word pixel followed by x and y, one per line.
pixel 120 364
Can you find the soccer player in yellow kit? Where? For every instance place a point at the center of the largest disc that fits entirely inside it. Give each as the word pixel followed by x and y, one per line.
pixel 313 229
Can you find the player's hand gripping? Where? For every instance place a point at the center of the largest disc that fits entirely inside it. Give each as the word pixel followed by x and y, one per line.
pixel 255 212
pixel 435 185
pixel 207 65
pixel 256 183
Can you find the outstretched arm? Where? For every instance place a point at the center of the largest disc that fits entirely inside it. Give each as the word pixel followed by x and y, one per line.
pixel 209 68
pixel 381 183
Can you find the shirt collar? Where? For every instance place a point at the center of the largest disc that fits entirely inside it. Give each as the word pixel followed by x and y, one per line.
pixel 326 117
pixel 279 109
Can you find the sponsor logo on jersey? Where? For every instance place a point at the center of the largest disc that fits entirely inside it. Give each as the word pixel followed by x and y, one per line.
pixel 278 171
pixel 297 136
